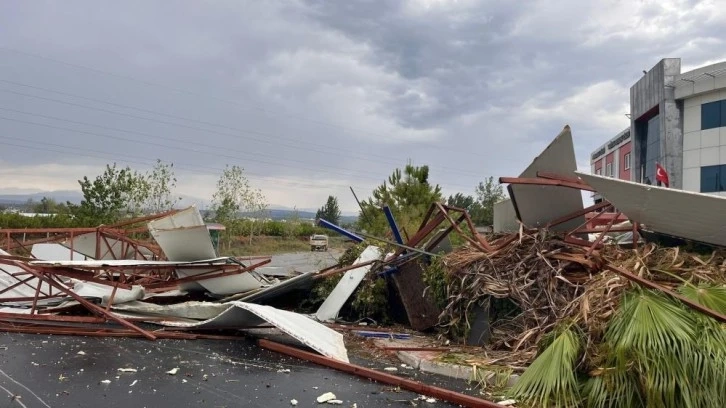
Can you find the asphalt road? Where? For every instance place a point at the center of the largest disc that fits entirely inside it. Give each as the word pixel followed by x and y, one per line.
pixel 66 371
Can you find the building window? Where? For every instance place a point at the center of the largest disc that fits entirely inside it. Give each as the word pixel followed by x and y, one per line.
pixel 713 179
pixel 713 115
pixel 609 169
pixel 626 161
pixel 598 172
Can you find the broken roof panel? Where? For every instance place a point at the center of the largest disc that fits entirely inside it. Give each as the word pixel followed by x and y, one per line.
pixel 537 205
pixel 184 237
pixel 232 315
pixel 330 308
pixel 685 214
pixel 56 252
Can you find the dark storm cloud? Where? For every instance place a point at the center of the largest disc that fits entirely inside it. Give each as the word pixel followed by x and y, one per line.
pixel 321 95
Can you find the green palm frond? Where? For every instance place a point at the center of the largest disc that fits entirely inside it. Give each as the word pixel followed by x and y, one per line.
pixel 550 379
pixel 713 297
pixel 674 355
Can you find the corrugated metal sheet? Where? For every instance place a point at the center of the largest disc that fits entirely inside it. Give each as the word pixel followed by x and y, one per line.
pixel 538 205
pixel 685 214
pixel 232 315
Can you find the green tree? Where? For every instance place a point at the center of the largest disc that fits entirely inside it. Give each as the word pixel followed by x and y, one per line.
pixel 460 201
pixel 234 194
pixel 50 206
pixel 408 193
pixel 114 194
pixel 161 183
pixel 233 191
pixel 488 193
pixel 330 211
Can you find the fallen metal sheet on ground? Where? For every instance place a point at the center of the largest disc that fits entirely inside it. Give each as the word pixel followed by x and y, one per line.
pixel 303 281
pixel 344 289
pixel 184 237
pixel 684 214
pixel 235 315
pixel 11 287
pixel 90 290
pixel 56 252
pixel 536 205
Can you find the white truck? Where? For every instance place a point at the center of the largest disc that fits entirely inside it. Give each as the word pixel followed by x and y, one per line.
pixel 318 242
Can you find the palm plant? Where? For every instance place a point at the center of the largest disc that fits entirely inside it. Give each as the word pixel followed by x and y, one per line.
pixel 655 353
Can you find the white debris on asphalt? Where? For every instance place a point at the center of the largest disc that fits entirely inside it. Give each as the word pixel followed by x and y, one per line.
pixel 507 403
pixel 293 402
pixel 326 397
pixel 391 369
pixel 105 381
pixel 335 402
pixel 133 383
pixel 284 370
pixel 127 370
pixel 431 400
pixel 81 353
pixel 173 371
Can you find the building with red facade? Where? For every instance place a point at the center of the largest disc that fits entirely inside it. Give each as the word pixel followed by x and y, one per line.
pixel 677 122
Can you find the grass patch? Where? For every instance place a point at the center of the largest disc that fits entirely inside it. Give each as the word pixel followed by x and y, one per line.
pixel 267 245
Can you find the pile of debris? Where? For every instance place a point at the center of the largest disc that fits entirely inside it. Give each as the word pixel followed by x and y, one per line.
pixel 122 286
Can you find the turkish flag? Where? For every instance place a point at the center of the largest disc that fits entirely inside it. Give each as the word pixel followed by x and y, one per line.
pixel 661 175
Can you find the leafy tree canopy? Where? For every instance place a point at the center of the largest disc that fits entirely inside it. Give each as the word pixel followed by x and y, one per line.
pixel 330 211
pixel 408 193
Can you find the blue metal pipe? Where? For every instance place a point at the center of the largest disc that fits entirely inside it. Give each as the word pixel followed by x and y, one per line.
pixel 339 230
pixel 392 223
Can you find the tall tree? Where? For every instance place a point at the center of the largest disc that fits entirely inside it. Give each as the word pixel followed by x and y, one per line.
pixel 161 183
pixel 408 193
pixel 488 193
pixel 234 194
pixel 114 194
pixel 330 211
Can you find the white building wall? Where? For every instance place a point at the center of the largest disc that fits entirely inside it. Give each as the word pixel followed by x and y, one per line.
pixel 701 147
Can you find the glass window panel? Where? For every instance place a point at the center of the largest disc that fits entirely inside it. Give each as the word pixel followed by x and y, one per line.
pixel 710 115
pixel 710 176
pixel 723 113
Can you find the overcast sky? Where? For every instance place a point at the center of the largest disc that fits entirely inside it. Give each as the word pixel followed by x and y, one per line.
pixel 311 97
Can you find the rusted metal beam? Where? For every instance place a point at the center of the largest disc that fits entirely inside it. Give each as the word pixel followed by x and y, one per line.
pixel 423 232
pixel 652 285
pixel 579 213
pixel 415 386
pixel 484 247
pixel 336 271
pixel 88 305
pixel 440 237
pixel 554 176
pixel 137 220
pixel 601 236
pixel 544 182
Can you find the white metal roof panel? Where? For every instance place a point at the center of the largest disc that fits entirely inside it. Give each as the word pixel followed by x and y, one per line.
pixel 695 216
